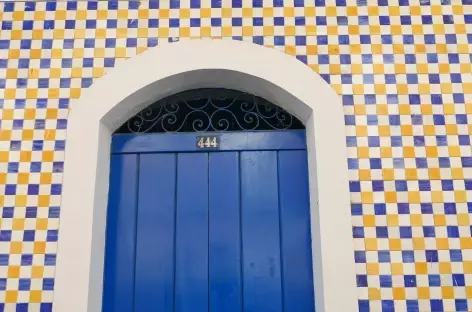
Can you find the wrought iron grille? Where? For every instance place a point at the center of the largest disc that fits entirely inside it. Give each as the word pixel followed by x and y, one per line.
pixel 210 110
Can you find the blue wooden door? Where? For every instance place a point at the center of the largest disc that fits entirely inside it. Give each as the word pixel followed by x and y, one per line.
pixel 224 229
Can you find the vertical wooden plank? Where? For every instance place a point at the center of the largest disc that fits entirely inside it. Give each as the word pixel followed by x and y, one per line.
pixel 262 290
pixel 297 271
pixel 154 287
pixel 120 234
pixel 224 233
pixel 191 275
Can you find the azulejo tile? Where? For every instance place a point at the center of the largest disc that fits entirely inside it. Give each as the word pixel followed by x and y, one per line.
pixel 403 71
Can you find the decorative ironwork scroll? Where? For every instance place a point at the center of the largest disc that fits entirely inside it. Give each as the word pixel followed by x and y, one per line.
pixel 210 110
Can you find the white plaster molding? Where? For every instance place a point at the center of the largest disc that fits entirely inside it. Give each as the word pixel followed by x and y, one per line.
pixel 172 68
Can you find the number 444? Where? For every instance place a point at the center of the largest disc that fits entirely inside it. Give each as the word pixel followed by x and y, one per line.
pixel 207 142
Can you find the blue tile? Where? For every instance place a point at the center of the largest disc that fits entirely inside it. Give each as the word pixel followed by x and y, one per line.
pixel 434 280
pixel 385 281
pixel 26 259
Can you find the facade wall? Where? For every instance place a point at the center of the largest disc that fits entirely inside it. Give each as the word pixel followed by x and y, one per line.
pixel 403 69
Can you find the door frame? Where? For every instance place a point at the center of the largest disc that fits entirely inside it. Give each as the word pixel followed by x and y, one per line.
pixel 175 67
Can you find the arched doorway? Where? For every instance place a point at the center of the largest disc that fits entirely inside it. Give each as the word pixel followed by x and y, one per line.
pixel 209 208
pixel 185 65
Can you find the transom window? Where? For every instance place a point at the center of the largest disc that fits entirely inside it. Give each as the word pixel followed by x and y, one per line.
pixel 210 110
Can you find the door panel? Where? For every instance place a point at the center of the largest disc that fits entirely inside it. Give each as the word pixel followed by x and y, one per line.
pixel 154 285
pixel 296 237
pixel 223 231
pixel 191 272
pixel 260 231
pixel 225 243
pixel 121 228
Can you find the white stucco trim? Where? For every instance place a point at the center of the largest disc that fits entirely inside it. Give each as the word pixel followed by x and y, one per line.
pixel 172 68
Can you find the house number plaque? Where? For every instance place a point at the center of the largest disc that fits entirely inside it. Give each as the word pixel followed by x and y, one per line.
pixel 208 142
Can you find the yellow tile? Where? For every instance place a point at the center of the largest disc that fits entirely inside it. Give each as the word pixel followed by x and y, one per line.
pixel 418 243
pixel 3 156
pixel 382 109
pixel 468 291
pixel 39 15
pixel 56 53
pixel 460 196
pixel 439 220
pixel 102 14
pixel 437 197
pixel 463 219
pixel 25 156
pixel 13 271
pixel 373 10
pixel 457 173
pixel 368 221
pixel 45 177
pixel 388 174
pixel 58 34
pixel 451 129
pixel 13 53
pixel 268 12
pixel 363 152
pixel 20 200
pixel 431 151
pixel 367 197
pixel 386 152
pixel 43 201
pixel 466 242
pixel 289 12
pixel 16 247
pixel 268 30
pixel 398 293
pixel 226 12
pixel 35 296
pixel 184 32
pixel 395 244
pixel 75 93
pixel 370 244
pixel 392 220
pixel 53 93
pixel 412 174
pixel 374 293
pixel 289 30
pixel 442 244
pixel 37 271
pixel 416 220
pixel 423 292
pixel 206 31
pixel 421 268
pixel 397 269
pixel 310 11
pixel 445 267
pixel 447 292
pixel 39 248
pixel 353 30
pixel 361 131
pixel 331 11
pixel 11 296
pixel 434 174
pixel 18 224
pixel 407 130
pixel 42 224
pixel 427 109
pixel 372 268
pixel 390 197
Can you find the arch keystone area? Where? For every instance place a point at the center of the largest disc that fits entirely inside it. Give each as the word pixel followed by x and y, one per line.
pixel 172 68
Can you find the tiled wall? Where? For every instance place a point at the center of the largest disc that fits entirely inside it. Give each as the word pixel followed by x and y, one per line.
pixel 403 69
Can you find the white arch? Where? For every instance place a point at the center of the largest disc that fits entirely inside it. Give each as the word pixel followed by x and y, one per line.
pixel 180 66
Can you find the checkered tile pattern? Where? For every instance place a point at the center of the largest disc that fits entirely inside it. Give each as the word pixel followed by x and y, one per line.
pixel 402 67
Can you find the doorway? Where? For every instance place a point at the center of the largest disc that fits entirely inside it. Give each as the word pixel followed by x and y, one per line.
pixel 212 220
